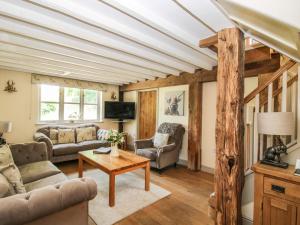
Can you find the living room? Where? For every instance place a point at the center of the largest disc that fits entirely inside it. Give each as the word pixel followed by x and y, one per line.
pixel 149 112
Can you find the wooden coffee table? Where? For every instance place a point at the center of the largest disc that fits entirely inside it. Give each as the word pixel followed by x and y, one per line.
pixel 114 166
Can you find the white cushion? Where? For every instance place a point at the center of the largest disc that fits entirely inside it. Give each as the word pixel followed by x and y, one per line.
pixel 10 171
pixel 160 139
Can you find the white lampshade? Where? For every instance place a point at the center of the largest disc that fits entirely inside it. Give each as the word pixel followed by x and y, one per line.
pixel 5 126
pixel 276 123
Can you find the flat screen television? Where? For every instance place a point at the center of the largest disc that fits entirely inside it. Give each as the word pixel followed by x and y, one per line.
pixel 119 110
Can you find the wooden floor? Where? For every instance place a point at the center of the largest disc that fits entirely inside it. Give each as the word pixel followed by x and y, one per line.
pixel 187 205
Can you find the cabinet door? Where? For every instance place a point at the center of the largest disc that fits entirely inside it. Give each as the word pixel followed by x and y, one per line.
pixel 278 212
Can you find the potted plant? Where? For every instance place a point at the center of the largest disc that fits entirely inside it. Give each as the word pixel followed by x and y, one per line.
pixel 114 138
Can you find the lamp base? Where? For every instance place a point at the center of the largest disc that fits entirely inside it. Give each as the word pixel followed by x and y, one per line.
pixel 275 163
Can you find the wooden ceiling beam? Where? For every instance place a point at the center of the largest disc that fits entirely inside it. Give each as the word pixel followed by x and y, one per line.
pixel 207 42
pixel 251 70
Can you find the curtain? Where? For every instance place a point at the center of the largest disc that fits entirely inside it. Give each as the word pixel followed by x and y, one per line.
pixel 67 82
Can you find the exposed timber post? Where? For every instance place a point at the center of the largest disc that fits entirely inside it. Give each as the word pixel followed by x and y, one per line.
pixel 195 126
pixel 229 171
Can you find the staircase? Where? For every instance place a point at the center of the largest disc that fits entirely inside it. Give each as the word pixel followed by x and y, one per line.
pixel 279 93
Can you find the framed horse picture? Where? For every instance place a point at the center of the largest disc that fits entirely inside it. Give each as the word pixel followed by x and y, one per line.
pixel 174 103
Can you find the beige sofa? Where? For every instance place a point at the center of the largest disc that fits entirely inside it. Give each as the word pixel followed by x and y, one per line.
pixel 66 152
pixel 51 198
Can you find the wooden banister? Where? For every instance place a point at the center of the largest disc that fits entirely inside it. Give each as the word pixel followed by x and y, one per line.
pixel 278 91
pixel 275 76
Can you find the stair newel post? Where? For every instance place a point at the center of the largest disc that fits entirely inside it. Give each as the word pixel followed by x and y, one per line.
pixel 229 174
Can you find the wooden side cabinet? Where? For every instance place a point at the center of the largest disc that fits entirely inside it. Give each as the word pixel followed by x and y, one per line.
pixel 276 196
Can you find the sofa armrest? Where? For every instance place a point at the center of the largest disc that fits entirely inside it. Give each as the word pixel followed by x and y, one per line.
pixel 40 137
pixel 144 143
pixel 167 148
pixel 23 208
pixel 29 153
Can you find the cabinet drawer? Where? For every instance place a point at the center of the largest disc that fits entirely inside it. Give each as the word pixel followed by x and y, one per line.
pixel 282 189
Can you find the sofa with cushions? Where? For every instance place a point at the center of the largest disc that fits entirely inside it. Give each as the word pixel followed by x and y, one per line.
pixel 64 142
pixel 34 192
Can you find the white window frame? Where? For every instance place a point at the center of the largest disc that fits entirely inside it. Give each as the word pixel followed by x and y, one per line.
pixel 61 103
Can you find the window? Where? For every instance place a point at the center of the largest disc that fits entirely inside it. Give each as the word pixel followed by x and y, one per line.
pixel 60 104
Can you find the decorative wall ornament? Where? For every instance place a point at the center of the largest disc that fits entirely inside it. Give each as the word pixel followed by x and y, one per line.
pixel 113 96
pixel 174 103
pixel 10 86
pixel 67 82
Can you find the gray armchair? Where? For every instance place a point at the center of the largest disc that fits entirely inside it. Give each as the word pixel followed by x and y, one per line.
pixel 165 155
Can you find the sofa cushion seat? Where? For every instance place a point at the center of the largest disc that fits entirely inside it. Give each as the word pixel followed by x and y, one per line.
pixel 93 144
pixel 150 153
pixel 66 149
pixel 51 180
pixel 35 171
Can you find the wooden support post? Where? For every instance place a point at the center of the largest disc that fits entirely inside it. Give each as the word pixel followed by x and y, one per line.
pixel 195 126
pixel 229 172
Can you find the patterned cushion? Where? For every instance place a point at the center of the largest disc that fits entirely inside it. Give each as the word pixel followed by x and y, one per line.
pixel 66 136
pixel 54 136
pixel 85 134
pixel 10 171
pixel 102 134
pixel 4 186
pixel 160 139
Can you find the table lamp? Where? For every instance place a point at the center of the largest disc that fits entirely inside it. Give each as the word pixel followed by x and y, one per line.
pixel 5 127
pixel 276 123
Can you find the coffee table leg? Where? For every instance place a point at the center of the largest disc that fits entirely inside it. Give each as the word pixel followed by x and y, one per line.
pixel 80 166
pixel 147 177
pixel 112 190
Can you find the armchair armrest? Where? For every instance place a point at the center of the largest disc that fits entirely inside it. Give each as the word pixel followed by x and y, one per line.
pixel 23 208
pixel 40 137
pixel 29 152
pixel 167 148
pixel 144 143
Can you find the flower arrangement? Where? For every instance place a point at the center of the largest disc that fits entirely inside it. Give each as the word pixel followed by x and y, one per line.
pixel 114 137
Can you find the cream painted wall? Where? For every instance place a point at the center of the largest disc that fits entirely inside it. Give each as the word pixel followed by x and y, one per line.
pixel 209 119
pixel 184 120
pixel 21 108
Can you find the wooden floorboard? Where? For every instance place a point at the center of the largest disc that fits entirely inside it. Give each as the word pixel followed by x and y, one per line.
pixel 187 205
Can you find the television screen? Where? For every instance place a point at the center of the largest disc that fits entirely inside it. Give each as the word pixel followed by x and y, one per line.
pixel 119 110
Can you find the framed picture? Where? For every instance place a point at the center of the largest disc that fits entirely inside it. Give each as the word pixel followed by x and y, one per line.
pixel 174 103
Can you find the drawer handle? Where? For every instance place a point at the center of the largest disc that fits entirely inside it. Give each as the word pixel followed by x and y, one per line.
pixel 278 189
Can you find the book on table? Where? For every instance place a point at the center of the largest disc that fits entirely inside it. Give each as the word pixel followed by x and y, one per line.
pixel 102 150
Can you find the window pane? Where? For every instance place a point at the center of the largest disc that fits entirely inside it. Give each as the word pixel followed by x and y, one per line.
pixel 49 111
pixel 49 93
pixel 90 112
pixel 72 95
pixel 71 112
pixel 90 96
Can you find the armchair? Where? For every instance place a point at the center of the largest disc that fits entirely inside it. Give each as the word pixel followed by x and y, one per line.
pixel 165 155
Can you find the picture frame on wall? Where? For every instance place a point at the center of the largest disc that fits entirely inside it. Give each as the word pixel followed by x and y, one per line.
pixel 174 103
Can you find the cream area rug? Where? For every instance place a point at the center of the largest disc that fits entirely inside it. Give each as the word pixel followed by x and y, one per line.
pixel 130 196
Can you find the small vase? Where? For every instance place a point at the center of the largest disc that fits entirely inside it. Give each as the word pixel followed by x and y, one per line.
pixel 114 150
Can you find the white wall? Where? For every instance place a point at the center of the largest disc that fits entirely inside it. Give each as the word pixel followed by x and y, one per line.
pixel 21 107
pixel 209 119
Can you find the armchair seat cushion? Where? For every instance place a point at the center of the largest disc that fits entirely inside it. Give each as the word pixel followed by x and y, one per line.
pixel 51 180
pixel 150 153
pixel 34 171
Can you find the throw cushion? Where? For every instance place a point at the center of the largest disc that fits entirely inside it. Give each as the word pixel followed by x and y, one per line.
pixel 4 186
pixel 160 139
pixel 102 134
pixel 84 134
pixel 10 171
pixel 54 136
pixel 66 136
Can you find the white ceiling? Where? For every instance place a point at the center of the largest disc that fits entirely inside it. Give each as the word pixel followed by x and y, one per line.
pixel 108 41
pixel 274 23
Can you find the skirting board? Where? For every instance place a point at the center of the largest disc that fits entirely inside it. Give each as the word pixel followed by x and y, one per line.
pixel 208 169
